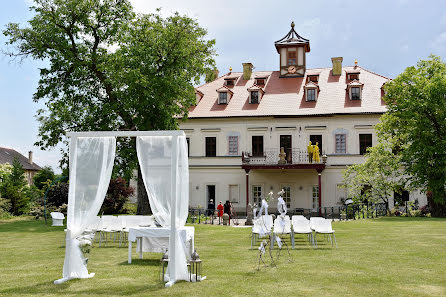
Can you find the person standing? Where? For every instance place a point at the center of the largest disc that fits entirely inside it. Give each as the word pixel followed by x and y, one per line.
pixel 211 210
pixel 227 208
pixel 310 153
pixel 220 212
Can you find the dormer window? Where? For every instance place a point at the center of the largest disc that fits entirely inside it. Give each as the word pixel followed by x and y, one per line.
pixel 255 94
pixel 311 91
pixel 260 81
pixel 223 98
pixel 354 89
pixel 311 95
pixel 356 93
pixel 254 97
pixel 353 76
pixel 313 78
pixel 230 82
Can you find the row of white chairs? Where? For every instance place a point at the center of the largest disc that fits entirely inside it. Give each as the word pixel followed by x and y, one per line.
pixel 298 224
pixel 114 226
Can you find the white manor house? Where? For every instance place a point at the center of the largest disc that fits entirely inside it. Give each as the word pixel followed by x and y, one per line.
pixel 241 120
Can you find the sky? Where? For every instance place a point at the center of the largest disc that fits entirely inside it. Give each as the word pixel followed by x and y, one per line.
pixel 384 36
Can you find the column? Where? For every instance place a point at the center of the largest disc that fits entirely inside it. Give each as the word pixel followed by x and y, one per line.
pixel 319 181
pixel 248 212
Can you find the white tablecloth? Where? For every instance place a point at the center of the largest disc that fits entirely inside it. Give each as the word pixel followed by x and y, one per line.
pixel 156 239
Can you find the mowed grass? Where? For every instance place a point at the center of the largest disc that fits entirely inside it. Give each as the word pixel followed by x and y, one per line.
pixel 376 257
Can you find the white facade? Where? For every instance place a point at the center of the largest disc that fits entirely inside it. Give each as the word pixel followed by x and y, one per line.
pixel 224 171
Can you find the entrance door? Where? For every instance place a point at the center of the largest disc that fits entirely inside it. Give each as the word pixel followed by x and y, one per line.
pixel 285 142
pixel 210 194
pixel 318 139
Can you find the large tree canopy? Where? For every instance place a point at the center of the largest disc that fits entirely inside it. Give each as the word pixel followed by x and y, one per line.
pixel 111 69
pixel 416 124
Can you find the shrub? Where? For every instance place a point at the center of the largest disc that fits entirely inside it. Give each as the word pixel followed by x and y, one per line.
pixel 57 195
pixel 41 177
pixel 5 206
pixel 117 195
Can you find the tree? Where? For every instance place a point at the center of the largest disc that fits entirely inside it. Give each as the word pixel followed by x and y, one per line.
pixel 117 195
pixel 58 194
pixel 13 188
pixel 111 69
pixel 416 121
pixel 43 176
pixel 381 173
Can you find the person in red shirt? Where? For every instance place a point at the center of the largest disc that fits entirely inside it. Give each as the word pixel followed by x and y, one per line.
pixel 220 212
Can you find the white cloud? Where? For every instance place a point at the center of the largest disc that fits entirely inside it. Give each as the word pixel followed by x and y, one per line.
pixel 438 45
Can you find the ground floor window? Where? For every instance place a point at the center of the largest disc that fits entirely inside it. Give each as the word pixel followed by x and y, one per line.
pixel 257 194
pixel 287 195
pixel 315 196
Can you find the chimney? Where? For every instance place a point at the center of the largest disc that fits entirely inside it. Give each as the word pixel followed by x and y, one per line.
pixel 247 70
pixel 30 157
pixel 337 65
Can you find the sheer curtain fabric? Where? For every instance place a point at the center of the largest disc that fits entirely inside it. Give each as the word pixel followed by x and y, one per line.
pixel 91 164
pixel 165 171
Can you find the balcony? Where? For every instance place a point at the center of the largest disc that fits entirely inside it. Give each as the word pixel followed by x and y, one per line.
pixel 270 157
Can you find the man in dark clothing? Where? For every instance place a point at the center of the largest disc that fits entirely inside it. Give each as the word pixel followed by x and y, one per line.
pixel 227 208
pixel 211 208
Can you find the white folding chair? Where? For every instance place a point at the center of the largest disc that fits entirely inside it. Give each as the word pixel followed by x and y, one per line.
pixel 109 225
pixel 324 227
pixel 282 226
pixel 314 221
pixel 261 228
pixel 302 226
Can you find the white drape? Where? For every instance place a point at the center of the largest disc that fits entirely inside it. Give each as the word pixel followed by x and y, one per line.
pixel 165 171
pixel 91 164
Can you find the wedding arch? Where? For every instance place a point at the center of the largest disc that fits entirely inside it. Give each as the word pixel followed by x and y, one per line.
pixel 162 156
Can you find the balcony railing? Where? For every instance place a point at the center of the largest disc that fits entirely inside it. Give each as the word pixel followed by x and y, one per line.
pixel 271 157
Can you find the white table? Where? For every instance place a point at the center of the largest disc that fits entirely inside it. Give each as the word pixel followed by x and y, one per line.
pixel 187 234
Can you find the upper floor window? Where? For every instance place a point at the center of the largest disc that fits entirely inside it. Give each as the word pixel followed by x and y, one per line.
pixel 365 141
pixel 254 97
pixel 292 57
pixel 313 78
pixel 356 93
pixel 211 146
pixel 229 82
pixel 260 81
pixel 222 98
pixel 341 145
pixel 353 76
pixel 233 145
pixel 257 146
pixel 311 94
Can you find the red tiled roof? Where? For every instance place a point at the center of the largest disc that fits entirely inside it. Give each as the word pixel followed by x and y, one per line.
pixel 285 96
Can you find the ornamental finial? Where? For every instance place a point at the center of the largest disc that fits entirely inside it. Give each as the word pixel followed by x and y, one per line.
pixel 230 69
pixel 292 24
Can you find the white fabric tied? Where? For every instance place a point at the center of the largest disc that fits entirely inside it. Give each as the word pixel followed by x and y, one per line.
pixel 165 171
pixel 91 164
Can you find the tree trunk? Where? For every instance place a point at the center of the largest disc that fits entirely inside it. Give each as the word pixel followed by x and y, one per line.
pixel 143 207
pixel 437 209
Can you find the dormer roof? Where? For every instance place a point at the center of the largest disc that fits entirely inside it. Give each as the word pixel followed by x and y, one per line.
pixel 255 87
pixel 224 89
pixel 311 84
pixel 355 83
pixel 292 38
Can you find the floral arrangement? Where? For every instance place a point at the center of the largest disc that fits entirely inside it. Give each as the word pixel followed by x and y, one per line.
pixel 269 197
pixel 85 242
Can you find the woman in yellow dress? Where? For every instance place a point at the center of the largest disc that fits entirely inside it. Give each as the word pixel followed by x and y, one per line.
pixel 316 153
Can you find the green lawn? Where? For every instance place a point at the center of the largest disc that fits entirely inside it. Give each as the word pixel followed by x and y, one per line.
pixel 377 257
